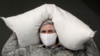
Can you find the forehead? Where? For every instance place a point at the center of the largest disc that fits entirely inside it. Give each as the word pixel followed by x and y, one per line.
pixel 47 26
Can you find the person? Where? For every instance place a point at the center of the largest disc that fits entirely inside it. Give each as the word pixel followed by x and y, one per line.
pixel 49 45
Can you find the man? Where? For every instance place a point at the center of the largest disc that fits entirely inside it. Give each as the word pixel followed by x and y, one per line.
pixel 49 45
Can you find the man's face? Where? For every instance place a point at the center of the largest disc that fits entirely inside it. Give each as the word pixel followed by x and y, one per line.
pixel 48 35
pixel 47 29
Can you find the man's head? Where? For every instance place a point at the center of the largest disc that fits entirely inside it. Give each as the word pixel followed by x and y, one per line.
pixel 47 28
pixel 47 33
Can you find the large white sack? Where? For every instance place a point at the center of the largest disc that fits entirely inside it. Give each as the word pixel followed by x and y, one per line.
pixel 26 25
pixel 72 32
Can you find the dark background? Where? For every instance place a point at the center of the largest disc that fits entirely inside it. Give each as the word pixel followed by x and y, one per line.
pixel 87 10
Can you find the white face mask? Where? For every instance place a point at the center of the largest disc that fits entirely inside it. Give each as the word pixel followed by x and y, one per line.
pixel 48 39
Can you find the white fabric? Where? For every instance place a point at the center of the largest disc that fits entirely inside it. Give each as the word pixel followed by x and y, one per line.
pixel 48 39
pixel 26 25
pixel 71 31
